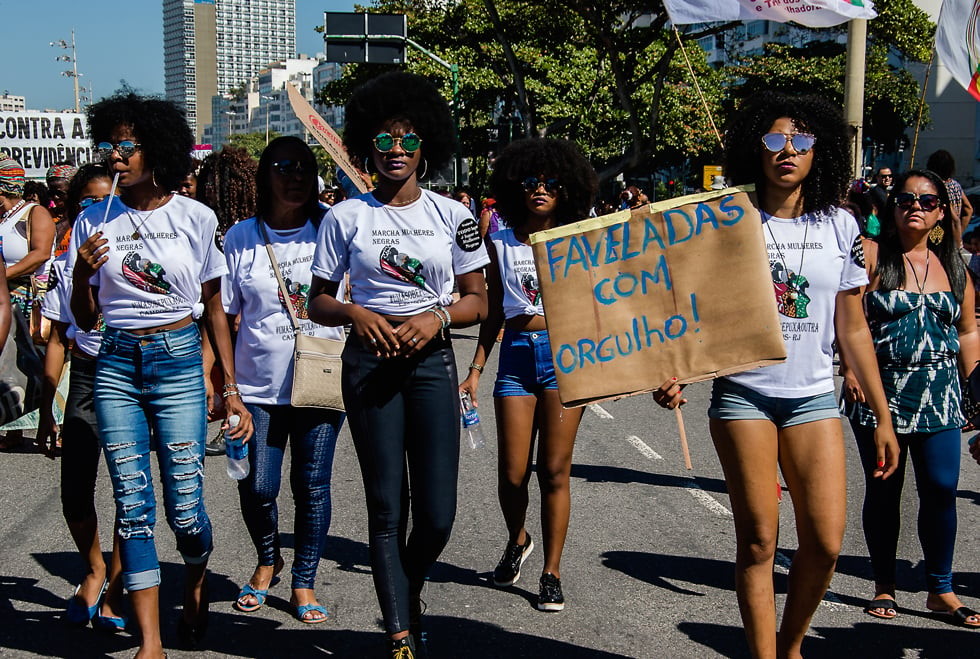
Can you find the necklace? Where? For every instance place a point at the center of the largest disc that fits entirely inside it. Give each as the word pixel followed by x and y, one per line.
pixel 792 283
pixel 920 286
pixel 136 227
pixel 406 203
pixel 13 209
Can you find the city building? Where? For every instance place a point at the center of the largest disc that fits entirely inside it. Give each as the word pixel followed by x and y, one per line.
pixel 211 46
pixel 10 103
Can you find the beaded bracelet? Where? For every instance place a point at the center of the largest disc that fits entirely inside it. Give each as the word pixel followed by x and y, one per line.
pixel 228 394
pixel 476 366
pixel 230 385
pixel 442 314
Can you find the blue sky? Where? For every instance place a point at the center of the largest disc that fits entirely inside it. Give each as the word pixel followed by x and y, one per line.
pixel 115 40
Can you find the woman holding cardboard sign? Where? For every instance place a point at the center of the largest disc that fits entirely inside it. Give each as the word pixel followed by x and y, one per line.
pixel 539 184
pixel 784 417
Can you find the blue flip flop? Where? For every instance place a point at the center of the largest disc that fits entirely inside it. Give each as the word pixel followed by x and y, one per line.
pixel 302 610
pixel 259 596
pixel 79 614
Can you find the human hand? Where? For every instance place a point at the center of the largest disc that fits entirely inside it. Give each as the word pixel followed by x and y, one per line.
pixel 852 390
pixel 92 255
pixel 47 436
pixel 374 332
pixel 417 331
pixel 669 395
pixel 470 385
pixel 243 431
pixel 887 451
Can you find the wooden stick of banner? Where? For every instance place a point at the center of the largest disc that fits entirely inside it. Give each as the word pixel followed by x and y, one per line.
pixel 680 427
pixel 700 95
pixel 922 102
pixel 324 134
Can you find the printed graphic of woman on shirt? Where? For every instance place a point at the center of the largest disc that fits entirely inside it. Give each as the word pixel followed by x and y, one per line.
pixel 149 374
pixel 400 382
pixel 538 184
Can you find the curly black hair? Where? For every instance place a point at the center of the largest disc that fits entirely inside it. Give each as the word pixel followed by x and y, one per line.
pixel 825 186
pixel 39 190
pixel 73 199
pixel 400 96
pixel 226 184
pixel 263 176
pixel 891 263
pixel 159 126
pixel 942 162
pixel 551 158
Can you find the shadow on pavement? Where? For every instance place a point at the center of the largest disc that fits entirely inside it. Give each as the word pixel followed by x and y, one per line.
pixel 609 474
pixel 664 571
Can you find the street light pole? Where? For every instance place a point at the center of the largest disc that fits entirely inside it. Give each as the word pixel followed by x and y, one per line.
pixel 73 74
pixel 231 116
pixel 267 98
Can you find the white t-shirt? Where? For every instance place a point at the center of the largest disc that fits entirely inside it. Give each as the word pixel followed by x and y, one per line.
pixel 832 261
pixel 522 295
pixel 155 279
pixel 264 348
pixel 13 239
pixel 402 259
pixel 57 306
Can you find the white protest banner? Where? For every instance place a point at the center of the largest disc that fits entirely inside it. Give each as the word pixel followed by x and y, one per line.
pixel 812 13
pixel 38 140
pixel 324 134
pixel 677 288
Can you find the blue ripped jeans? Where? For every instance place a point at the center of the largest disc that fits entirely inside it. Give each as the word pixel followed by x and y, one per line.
pixel 143 384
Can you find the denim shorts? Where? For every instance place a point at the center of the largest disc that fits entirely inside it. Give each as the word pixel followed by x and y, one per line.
pixel 733 402
pixel 525 367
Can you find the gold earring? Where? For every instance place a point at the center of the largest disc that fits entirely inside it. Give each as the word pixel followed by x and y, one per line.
pixel 936 235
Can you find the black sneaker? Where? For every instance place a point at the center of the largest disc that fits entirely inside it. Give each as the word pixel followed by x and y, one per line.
pixel 217 445
pixel 550 597
pixel 403 648
pixel 508 570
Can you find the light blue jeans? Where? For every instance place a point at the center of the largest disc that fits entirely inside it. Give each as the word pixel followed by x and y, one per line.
pixel 154 385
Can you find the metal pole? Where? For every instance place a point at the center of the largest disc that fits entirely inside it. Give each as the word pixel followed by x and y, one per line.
pixel 74 68
pixel 458 165
pixel 857 38
pixel 267 123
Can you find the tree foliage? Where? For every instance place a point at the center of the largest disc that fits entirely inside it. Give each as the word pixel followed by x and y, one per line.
pixel 254 143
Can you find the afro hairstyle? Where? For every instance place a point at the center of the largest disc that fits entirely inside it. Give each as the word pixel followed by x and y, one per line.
pixel 226 184
pixel 551 158
pixel 400 96
pixel 825 186
pixel 159 126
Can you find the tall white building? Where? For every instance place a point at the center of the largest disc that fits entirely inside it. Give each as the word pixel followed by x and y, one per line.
pixel 211 46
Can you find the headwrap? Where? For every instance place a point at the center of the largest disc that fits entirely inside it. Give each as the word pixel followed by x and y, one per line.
pixel 11 177
pixel 60 171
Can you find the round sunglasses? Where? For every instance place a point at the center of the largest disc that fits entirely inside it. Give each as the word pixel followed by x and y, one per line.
pixel 409 142
pixel 927 202
pixel 776 142
pixel 88 201
pixel 532 183
pixel 125 149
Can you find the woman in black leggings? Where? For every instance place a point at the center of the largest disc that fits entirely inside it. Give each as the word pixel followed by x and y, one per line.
pixel 404 248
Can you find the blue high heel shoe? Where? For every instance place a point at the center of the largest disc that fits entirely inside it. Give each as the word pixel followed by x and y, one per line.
pixel 79 614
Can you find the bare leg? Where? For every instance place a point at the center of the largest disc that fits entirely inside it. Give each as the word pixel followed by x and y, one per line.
pixel 146 607
pixel 85 533
pixel 812 458
pixel 556 441
pixel 112 606
pixel 748 451
pixel 515 438
pixel 304 596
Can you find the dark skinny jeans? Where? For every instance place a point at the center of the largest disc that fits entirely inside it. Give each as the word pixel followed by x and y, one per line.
pixel 80 450
pixel 936 458
pixel 313 435
pixel 404 419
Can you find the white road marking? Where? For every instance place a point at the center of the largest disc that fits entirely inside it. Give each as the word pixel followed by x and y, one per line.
pixel 707 500
pixel 599 412
pixel 829 600
pixel 645 450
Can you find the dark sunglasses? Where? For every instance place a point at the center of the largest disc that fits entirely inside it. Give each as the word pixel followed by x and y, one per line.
pixel 927 202
pixel 532 183
pixel 289 167
pixel 776 142
pixel 88 201
pixel 126 148
pixel 385 142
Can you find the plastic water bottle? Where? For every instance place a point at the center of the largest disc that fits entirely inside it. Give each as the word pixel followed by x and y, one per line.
pixel 237 452
pixel 471 421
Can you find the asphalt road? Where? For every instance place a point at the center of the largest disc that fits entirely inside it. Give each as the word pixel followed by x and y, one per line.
pixel 647 569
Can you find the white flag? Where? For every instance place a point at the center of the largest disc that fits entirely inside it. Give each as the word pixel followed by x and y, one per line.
pixel 958 42
pixel 812 13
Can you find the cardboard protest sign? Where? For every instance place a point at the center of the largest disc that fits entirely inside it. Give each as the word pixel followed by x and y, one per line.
pixel 324 134
pixel 677 288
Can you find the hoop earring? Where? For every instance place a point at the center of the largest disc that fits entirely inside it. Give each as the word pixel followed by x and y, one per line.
pixel 367 164
pixel 936 235
pixel 425 169
pixel 153 178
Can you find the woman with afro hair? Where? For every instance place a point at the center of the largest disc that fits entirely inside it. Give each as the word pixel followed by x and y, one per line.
pixel 404 248
pixel 538 184
pixel 795 149
pixel 144 260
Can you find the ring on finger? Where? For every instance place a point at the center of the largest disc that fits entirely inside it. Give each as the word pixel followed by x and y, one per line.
pixel 374 341
pixel 415 339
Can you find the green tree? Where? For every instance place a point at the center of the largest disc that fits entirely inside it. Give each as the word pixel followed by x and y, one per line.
pixel 254 143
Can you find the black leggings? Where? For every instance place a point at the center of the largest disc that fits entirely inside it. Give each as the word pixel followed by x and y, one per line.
pixel 404 419
pixel 80 449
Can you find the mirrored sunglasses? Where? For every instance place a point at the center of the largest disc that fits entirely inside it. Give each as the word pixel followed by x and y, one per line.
pixel 88 201
pixel 532 183
pixel 385 142
pixel 776 142
pixel 289 167
pixel 927 202
pixel 125 149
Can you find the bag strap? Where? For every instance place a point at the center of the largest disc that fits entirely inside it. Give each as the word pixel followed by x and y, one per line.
pixel 282 284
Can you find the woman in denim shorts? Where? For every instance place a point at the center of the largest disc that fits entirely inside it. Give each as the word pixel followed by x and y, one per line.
pixel 539 184
pixel 795 149
pixel 144 261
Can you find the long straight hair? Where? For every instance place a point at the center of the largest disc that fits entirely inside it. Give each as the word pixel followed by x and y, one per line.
pixel 891 261
pixel 263 175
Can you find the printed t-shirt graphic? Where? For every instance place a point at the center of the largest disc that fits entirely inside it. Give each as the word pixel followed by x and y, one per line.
pixel 790 289
pixel 529 284
pixel 402 266
pixel 144 274
pixel 298 295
